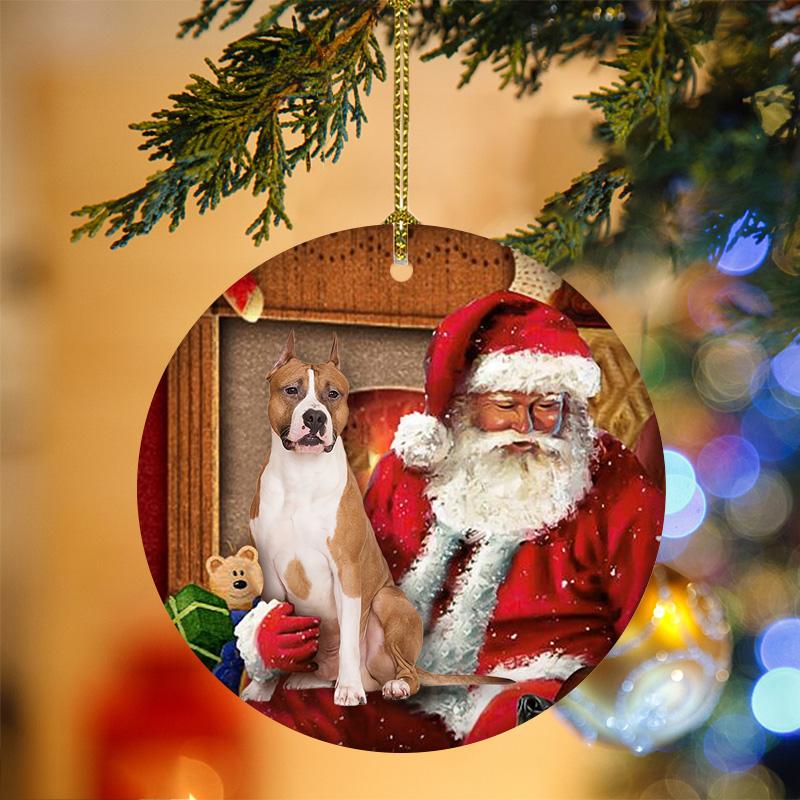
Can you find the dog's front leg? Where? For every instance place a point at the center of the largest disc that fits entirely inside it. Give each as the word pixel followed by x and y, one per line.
pixel 349 687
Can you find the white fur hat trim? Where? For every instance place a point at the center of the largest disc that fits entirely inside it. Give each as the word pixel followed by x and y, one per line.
pixel 531 372
pixel 421 440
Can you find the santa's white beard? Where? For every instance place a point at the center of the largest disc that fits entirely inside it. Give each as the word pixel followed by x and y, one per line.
pixel 484 487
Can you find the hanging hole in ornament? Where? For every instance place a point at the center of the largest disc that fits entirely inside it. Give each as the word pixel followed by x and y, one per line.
pixel 401 271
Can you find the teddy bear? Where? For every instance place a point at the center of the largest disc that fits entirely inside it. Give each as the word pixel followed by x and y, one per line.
pixel 237 579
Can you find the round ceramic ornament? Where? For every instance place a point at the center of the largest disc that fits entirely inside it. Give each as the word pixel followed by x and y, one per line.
pixel 401 516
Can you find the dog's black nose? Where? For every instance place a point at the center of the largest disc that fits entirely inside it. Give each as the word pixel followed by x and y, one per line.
pixel 240 584
pixel 314 420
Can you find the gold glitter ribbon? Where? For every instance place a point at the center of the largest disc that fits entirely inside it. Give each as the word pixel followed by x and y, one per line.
pixel 401 218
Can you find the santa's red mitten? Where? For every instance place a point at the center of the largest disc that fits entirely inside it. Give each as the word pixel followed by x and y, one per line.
pixel 271 639
pixel 500 714
pixel 287 642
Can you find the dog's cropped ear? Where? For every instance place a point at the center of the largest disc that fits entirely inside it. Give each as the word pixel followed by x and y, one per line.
pixel 249 552
pixel 213 563
pixel 334 358
pixel 286 356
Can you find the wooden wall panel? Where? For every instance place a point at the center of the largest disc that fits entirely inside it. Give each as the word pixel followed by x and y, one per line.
pixel 193 454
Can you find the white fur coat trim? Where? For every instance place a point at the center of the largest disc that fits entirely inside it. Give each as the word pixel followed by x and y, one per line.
pixel 246 634
pixel 530 372
pixel 458 635
pixel 426 575
pixel 421 440
pixel 460 708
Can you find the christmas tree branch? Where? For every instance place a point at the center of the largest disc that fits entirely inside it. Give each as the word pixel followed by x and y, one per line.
pixel 279 97
pixel 518 39
pixel 571 218
pixel 657 67
pixel 210 8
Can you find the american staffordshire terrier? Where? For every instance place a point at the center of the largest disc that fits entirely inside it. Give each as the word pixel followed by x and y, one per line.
pixel 318 551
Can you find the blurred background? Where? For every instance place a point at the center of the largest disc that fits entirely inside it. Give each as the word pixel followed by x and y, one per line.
pixel 100 696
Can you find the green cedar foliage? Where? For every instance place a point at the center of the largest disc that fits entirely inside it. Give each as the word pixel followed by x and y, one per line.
pixel 687 163
pixel 518 39
pixel 657 68
pixel 279 97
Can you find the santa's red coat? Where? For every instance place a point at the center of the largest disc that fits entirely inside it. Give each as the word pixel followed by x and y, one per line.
pixel 568 594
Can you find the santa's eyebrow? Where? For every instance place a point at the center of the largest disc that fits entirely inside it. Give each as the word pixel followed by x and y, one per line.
pixel 501 397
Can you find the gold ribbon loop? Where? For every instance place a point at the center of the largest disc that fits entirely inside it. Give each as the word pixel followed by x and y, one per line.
pixel 401 218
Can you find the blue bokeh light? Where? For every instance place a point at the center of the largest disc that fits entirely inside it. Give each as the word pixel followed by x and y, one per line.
pixel 734 743
pixel 728 466
pixel 786 368
pixel 688 519
pixel 779 644
pixel 742 254
pixel 776 700
pixel 680 480
pixel 773 438
pixel 771 406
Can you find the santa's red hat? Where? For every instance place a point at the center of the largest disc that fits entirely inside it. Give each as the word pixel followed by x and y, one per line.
pixel 502 342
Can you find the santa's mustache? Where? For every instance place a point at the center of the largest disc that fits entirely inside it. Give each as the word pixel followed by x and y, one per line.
pixel 487 441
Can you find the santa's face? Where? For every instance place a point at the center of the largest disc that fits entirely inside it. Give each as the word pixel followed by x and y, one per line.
pixel 519 463
pixel 523 413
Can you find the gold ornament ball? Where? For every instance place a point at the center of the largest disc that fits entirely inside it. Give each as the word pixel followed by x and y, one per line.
pixel 401 271
pixel 665 674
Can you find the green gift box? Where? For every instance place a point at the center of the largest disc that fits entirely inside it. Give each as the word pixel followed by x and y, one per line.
pixel 203 619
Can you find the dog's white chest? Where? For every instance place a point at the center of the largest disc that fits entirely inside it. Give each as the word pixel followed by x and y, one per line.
pixel 298 508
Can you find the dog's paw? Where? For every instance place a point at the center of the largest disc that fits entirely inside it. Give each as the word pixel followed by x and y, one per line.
pixel 345 695
pixel 259 691
pixel 396 690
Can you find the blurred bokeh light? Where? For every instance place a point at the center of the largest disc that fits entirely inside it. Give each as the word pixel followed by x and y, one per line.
pixel 773 438
pixel 728 466
pixel 764 509
pixel 743 254
pixel 756 784
pixel 765 593
pixel 779 644
pixel 734 743
pixel 706 552
pixel 688 519
pixel 776 700
pixel 786 367
pixel 724 369
pixel 680 479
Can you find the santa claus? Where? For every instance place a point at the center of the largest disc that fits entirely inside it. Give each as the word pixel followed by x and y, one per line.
pixel 523 534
